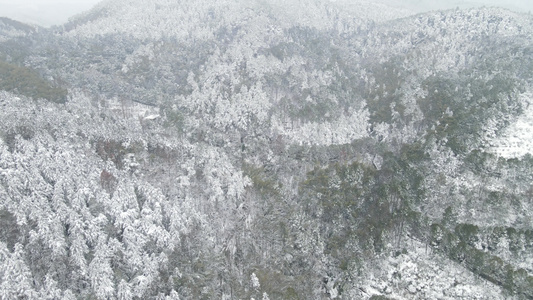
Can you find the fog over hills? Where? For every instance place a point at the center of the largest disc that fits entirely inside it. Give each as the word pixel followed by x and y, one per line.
pixel 234 149
pixel 56 12
pixel 44 12
pixel 428 5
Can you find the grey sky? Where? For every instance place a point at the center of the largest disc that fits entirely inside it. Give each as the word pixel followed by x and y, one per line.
pixel 44 12
pixel 55 12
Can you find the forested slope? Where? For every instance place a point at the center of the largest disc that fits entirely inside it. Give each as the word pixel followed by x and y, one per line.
pixel 258 149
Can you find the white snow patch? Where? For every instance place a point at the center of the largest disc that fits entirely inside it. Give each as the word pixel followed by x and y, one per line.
pixel 517 139
pixel 423 273
pixel 131 109
pixel 151 117
pixel 343 130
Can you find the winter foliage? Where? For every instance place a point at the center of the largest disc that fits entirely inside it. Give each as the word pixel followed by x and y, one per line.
pixel 267 150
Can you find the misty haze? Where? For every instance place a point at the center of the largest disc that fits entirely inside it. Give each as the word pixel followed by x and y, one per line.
pixel 56 12
pixel 266 149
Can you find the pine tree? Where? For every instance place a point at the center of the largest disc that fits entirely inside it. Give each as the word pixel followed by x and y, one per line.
pixel 100 272
pixel 16 280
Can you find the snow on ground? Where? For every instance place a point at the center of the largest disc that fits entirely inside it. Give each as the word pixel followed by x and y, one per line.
pixel 517 139
pixel 343 130
pixel 130 109
pixel 422 273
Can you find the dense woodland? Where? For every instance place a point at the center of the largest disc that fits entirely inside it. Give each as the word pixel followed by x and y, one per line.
pixel 236 149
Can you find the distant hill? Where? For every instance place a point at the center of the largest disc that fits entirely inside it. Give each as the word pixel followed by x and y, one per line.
pixel 7 23
pixel 27 82
pixel 11 28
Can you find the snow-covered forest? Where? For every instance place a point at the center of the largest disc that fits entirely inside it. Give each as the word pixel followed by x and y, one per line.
pixel 232 149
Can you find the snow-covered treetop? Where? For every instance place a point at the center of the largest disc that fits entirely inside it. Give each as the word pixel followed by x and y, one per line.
pixel 11 28
pixel 201 20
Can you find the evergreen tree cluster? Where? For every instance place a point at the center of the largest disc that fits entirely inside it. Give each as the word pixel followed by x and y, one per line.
pixel 265 150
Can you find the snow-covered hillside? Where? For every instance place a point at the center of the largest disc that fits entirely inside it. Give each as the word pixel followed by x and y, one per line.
pixel 237 149
pixel 517 139
pixel 186 20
